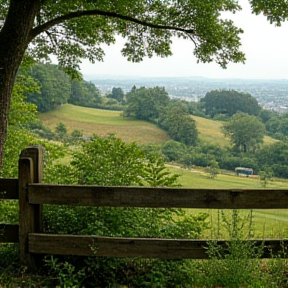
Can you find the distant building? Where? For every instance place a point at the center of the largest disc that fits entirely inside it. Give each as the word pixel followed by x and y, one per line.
pixel 243 171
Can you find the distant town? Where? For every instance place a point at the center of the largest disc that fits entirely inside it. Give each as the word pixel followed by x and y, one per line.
pixel 271 94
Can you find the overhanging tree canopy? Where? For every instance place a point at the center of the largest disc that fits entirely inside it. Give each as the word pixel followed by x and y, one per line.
pixel 75 29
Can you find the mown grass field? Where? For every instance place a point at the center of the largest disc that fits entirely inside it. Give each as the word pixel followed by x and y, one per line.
pixel 272 223
pixel 210 131
pixel 102 122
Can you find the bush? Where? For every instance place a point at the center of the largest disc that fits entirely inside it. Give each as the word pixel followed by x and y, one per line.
pixel 109 161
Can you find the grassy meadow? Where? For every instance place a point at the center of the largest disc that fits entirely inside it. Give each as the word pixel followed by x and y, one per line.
pixel 102 122
pixel 210 131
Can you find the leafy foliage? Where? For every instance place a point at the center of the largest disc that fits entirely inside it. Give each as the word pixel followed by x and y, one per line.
pixel 229 103
pixel 117 94
pixel 274 156
pixel 179 124
pixel 146 103
pixel 109 161
pixel 235 264
pixel 147 27
pixel 84 94
pixel 245 131
pixel 55 87
pixel 21 114
pixel 213 169
pixel 276 11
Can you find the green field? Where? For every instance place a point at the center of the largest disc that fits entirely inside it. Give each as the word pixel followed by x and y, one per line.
pixel 210 131
pixel 270 223
pixel 101 122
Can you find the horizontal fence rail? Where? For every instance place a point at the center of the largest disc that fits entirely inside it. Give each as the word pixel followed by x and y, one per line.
pixel 137 247
pixel 157 197
pixel 32 194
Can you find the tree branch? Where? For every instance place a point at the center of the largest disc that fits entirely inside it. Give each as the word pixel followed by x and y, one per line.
pixel 41 28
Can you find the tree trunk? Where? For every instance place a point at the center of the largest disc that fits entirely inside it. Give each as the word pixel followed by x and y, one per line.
pixel 14 40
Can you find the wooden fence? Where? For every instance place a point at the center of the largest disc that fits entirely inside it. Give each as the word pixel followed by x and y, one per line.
pixel 32 194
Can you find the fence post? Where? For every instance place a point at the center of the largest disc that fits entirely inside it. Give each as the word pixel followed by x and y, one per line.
pixel 30 216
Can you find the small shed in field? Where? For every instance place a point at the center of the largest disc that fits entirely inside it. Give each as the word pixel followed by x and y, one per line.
pixel 243 171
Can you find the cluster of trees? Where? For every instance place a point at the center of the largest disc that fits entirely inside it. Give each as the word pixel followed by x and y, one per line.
pixel 276 124
pixel 56 88
pixel 154 105
pixel 224 104
pixel 246 132
pixel 229 102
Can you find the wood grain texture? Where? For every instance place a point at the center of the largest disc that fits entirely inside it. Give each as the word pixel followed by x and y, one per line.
pixel 9 189
pixel 133 247
pixel 158 197
pixel 30 216
pixel 26 211
pixel 9 233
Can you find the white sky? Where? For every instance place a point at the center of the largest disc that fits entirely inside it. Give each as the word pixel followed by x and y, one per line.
pixel 265 47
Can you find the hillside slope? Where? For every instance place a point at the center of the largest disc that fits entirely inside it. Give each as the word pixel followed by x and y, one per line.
pixel 210 131
pixel 101 122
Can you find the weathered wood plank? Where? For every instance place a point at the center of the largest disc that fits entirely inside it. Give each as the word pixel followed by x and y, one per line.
pixel 9 233
pixel 35 153
pixel 158 197
pixel 9 188
pixel 116 247
pixel 26 210
pixel 133 247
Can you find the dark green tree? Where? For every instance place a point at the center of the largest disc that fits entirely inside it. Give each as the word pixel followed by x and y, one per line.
pixel 61 130
pixel 246 132
pixel 117 94
pixel 146 103
pixel 283 125
pixel 55 87
pixel 229 102
pixel 173 150
pixel 274 156
pixel 179 124
pixel 85 94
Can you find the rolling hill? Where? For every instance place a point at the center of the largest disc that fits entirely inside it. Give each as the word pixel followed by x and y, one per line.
pixel 101 122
